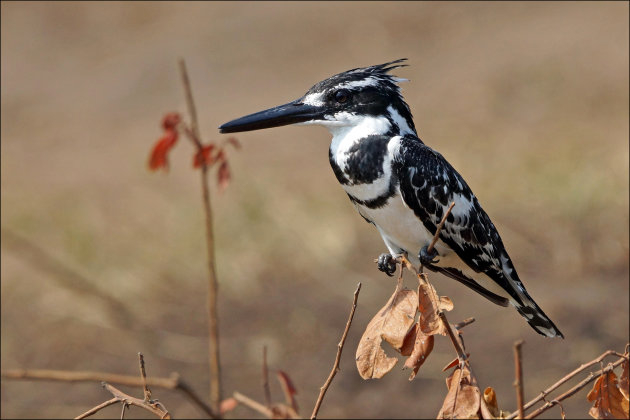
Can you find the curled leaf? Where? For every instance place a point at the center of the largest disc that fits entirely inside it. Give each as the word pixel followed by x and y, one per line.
pixel 391 324
pixel 159 154
pixel 463 399
pixel 490 397
pixel 608 401
pixel 422 348
pixel 429 305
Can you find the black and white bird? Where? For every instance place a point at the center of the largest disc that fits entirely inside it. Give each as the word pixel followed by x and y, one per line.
pixel 402 186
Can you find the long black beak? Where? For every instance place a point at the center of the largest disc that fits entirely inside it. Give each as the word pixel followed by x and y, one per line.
pixel 291 113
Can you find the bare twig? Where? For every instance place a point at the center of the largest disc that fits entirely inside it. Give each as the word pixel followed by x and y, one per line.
pixel 143 375
pixel 567 377
pixel 152 407
pixel 518 382
pixel 99 407
pixel 213 318
pixel 439 227
pixel 174 383
pixel 590 378
pixel 335 369
pixel 265 374
pixel 464 323
pixel 253 404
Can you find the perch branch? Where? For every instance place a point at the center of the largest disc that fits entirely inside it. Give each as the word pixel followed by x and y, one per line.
pixel 518 382
pixel 439 227
pixel 213 321
pixel 335 369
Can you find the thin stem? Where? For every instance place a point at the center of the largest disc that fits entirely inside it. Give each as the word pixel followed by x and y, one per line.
pixel 335 369
pixel 253 404
pixel 98 408
pixel 143 375
pixel 518 382
pixel 213 318
pixel 265 374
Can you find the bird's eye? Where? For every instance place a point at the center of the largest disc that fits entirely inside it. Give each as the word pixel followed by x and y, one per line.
pixel 342 96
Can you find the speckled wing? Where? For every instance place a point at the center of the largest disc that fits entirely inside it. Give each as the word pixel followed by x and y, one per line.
pixel 428 184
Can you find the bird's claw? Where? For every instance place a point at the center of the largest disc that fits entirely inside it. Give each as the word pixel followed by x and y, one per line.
pixel 387 264
pixel 427 258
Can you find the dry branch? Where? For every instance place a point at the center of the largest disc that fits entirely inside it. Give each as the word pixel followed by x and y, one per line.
pixel 153 407
pixel 590 378
pixel 518 382
pixel 265 374
pixel 174 383
pixel 213 318
pixel 568 377
pixel 253 404
pixel 335 369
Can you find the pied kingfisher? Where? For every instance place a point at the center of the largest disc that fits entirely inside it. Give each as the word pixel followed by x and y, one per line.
pixel 402 186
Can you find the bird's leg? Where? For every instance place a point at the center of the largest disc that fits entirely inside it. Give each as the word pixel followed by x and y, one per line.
pixel 387 264
pixel 426 257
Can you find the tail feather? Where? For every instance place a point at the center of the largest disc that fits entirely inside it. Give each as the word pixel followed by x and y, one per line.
pixel 537 319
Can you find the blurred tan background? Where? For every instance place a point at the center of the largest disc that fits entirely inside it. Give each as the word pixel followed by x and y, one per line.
pixel 528 101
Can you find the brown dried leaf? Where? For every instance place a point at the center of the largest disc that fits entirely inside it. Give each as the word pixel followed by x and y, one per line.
pixel 624 385
pixel 423 345
pixel 463 399
pixel 429 305
pixel 609 402
pixel 391 324
pixel 409 342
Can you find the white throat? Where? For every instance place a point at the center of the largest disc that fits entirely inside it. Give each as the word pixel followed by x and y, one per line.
pixel 347 129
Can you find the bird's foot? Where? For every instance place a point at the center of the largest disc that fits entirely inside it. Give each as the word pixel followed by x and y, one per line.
pixel 427 258
pixel 387 264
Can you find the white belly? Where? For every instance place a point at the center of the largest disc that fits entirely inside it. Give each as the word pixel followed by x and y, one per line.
pixel 401 228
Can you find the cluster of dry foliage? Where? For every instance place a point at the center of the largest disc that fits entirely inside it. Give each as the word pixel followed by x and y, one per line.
pixel 408 322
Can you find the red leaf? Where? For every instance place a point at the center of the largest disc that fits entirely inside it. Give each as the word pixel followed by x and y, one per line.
pixel 159 154
pixel 234 142
pixel 288 388
pixel 223 175
pixel 204 156
pixel 170 120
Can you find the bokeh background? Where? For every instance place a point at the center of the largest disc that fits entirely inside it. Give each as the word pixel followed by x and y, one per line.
pixel 528 101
